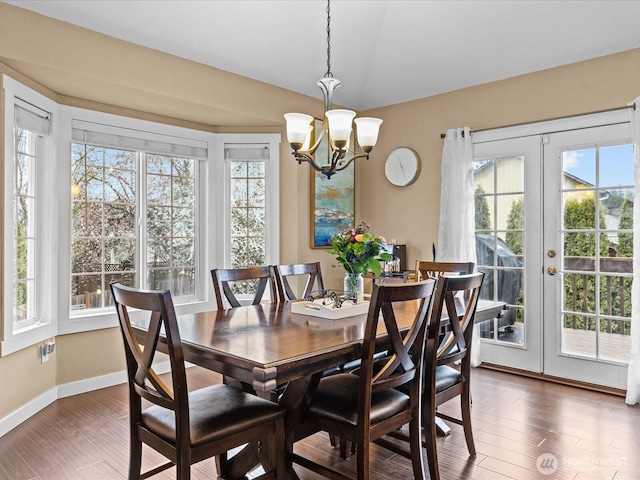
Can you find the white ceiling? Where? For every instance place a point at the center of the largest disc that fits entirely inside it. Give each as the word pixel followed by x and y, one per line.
pixel 384 51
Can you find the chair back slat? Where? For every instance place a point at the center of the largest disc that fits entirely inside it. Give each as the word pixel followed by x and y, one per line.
pixel 143 379
pixel 457 341
pixel 283 274
pixel 223 278
pixel 404 360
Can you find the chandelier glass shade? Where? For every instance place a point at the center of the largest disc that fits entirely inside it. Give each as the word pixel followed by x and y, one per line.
pixel 337 126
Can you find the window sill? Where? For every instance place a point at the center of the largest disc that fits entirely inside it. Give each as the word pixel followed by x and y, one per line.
pixel 27 337
pixel 107 318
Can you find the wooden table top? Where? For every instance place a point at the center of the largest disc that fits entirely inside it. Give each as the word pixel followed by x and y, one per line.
pixel 265 345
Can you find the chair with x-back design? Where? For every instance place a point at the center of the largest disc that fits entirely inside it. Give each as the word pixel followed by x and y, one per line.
pixel 187 427
pixel 362 408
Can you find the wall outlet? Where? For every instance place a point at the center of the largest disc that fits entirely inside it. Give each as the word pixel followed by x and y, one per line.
pixel 45 350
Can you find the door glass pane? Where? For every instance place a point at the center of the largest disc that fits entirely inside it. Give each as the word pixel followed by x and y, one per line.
pixel 597 247
pixel 500 240
pixel 616 166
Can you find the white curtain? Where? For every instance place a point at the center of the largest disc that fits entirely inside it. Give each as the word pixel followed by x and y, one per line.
pixel 633 376
pixel 456 232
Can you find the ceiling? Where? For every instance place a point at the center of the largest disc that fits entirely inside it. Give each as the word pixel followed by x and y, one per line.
pixel 384 51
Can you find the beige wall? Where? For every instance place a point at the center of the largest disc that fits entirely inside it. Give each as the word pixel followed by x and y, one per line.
pixel 411 214
pixel 91 70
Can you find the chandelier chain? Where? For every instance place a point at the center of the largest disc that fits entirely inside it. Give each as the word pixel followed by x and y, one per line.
pixel 328 74
pixel 336 130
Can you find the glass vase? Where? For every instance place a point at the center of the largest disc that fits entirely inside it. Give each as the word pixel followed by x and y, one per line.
pixel 354 283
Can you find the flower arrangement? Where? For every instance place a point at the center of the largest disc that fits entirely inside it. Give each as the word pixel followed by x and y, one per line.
pixel 359 251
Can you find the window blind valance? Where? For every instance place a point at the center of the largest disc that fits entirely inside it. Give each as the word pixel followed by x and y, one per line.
pixel 32 118
pixel 116 137
pixel 246 153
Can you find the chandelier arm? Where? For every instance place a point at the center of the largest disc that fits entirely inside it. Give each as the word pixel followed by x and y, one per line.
pixel 354 157
pixel 304 157
pixel 336 156
pixel 315 146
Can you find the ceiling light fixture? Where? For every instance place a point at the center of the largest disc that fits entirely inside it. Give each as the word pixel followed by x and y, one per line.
pixel 336 124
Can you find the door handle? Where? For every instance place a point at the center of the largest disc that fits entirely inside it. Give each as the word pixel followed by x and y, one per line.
pixel 551 270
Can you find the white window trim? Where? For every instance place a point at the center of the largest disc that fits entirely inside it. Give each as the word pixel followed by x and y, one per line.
pixel 213 208
pixel 622 115
pixel 46 325
pixel 207 214
pixel 221 183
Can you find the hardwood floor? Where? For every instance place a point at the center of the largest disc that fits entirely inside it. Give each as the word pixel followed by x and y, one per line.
pixel 591 436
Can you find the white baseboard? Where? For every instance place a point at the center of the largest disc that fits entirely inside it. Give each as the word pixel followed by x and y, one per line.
pixel 90 384
pixel 104 381
pixel 25 412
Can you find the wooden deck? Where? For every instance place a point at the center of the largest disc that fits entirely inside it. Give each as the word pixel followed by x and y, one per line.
pixel 612 346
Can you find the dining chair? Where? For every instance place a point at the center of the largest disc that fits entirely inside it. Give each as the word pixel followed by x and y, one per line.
pixel 361 408
pixel 429 269
pixel 447 362
pixel 186 427
pixel 310 272
pixel 224 280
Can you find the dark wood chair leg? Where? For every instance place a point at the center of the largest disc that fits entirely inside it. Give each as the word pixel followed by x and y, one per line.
pixel 415 446
pixel 362 463
pixel 465 406
pixel 430 434
pixel 183 469
pixel 135 457
pixel 432 455
pixel 221 464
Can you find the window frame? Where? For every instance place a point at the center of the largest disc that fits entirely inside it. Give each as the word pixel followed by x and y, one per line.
pixel 222 171
pixel 44 327
pixel 206 213
pixel 54 216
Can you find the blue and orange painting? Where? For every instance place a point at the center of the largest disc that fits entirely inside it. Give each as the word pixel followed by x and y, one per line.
pixel 333 206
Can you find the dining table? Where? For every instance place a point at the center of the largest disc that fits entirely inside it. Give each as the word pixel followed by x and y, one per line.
pixel 268 346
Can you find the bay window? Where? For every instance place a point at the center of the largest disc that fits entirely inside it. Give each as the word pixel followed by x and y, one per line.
pixel 91 198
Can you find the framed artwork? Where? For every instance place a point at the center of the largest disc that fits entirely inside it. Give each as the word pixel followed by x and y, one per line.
pixel 332 200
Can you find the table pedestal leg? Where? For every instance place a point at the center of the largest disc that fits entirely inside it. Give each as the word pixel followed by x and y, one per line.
pixel 296 400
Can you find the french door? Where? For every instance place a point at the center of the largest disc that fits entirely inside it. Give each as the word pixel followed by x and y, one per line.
pixel 554 235
pixel 588 238
pixel 508 236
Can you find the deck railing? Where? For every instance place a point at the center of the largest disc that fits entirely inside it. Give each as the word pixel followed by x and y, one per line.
pixel 615 292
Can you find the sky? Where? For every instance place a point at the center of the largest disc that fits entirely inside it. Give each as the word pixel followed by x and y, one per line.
pixel 613 167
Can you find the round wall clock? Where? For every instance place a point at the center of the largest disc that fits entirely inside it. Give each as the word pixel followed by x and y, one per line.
pixel 402 167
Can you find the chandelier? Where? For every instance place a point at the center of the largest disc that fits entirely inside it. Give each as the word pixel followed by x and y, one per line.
pixel 337 125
